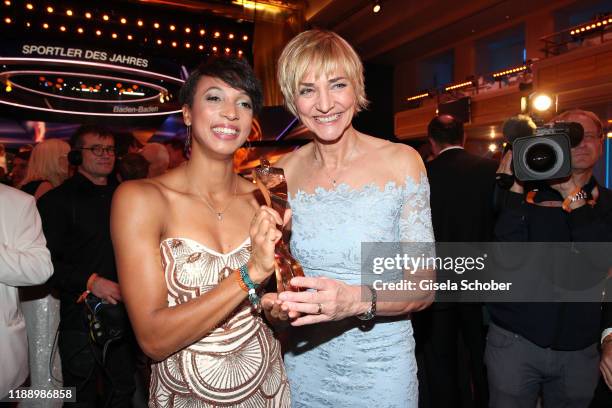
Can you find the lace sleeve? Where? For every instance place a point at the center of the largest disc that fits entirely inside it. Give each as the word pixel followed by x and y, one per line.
pixel 415 219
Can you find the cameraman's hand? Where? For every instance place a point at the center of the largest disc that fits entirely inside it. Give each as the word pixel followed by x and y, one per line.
pixel 505 166
pixel 264 236
pixel 107 290
pixel 565 187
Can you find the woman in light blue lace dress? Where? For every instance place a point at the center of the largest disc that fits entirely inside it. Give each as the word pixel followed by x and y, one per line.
pixel 346 188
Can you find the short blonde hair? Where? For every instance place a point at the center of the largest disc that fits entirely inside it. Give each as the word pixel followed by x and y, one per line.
pixel 44 163
pixel 587 114
pixel 325 53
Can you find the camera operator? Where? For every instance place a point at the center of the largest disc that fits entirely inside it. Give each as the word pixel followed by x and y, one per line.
pixel 551 347
pixel 76 222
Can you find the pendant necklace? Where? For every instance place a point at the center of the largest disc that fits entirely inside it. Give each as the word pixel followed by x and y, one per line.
pixel 218 214
pixel 332 180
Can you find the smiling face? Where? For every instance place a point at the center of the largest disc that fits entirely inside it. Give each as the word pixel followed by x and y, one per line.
pixel 326 104
pixel 220 116
pixel 588 152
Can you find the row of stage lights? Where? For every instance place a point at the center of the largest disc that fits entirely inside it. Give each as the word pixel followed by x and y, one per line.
pixel 130 37
pixel 496 75
pixel 139 22
pixel 591 26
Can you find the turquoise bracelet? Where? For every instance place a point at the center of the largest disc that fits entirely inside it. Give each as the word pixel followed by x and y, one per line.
pixel 253 298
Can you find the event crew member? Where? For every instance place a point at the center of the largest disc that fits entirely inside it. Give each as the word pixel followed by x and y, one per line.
pixel 76 222
pixel 551 347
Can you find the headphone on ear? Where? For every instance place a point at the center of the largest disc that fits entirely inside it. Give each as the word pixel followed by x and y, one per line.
pixel 75 157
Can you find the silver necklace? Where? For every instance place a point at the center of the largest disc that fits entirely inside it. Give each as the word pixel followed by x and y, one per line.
pixel 332 180
pixel 219 214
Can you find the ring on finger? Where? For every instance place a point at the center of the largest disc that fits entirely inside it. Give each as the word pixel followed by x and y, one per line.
pixel 320 309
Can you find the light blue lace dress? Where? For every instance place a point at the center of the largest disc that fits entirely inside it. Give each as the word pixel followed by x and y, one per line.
pixel 338 364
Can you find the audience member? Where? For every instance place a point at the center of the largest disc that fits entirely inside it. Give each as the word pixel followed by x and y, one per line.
pixel 158 158
pixel 132 166
pixel 47 169
pixel 461 199
pixel 76 221
pixel 20 165
pixel 176 151
pixel 24 260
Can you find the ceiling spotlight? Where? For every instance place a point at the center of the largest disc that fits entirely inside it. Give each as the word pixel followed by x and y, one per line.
pixel 172 28
pixel 215 48
pixel 98 32
pixel 202 32
pixel 45 26
pixel 245 37
pixel 123 20
pixel 129 37
pixel 187 45
pixel 49 9
pixel 29 6
pixel 230 36
pixel 62 28
pixel 174 43
pixel 217 34
pixel 8 20
pixel 28 24
pixel 114 35
pixel 88 15
pixel 156 25
pixel 200 47
pixel 105 17
pixel 159 42
pixel 69 13
pixel 187 30
pixel 80 30
pixel 140 23
pixel 239 52
pixel 227 50
pixel 7 2
pixel 376 8
pixel 8 88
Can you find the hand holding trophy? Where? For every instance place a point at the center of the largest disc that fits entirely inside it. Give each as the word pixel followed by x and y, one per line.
pixel 273 193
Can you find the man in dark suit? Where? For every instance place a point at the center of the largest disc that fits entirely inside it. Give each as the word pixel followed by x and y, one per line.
pixel 462 186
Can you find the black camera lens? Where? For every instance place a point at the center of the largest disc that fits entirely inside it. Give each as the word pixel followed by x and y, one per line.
pixel 540 157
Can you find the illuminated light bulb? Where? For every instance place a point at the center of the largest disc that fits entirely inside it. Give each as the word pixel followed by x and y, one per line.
pixel 29 6
pixel 140 23
pixel 62 28
pixel 231 36
pixel 245 37
pixel 8 88
pixel 159 42
pixel 45 26
pixel 69 12
pixel 542 103
pixel 123 20
pixel 28 24
pixel 105 17
pixel 172 28
pixel 88 15
pixel 98 32
pixel 187 45
pixel 215 48
pixel 572 32
pixel 8 20
pixel 492 147
pixel 239 52
pixel 227 50
pixel 376 8
pixel 49 9
pixel 80 30
pixel 129 37
pixel 156 25
pixel 187 30
pixel 114 35
pixel 174 43
pixel 599 24
pixel 217 34
pixel 202 32
pixel 200 47
pixel 7 2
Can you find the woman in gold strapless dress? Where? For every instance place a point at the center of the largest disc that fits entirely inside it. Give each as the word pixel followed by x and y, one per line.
pixel 191 246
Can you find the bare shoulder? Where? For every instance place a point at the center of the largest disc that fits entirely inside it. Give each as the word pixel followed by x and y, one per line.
pixel 144 197
pixel 291 161
pixel 404 159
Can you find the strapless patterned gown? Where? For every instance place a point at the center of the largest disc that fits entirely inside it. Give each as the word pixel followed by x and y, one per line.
pixel 239 363
pixel 337 364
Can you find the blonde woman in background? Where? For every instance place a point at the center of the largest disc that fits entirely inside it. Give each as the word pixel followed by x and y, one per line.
pixel 47 169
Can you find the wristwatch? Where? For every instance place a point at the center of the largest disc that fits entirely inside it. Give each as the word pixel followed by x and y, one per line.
pixel 371 312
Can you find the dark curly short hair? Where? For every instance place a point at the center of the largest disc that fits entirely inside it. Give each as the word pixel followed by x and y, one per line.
pixel 237 73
